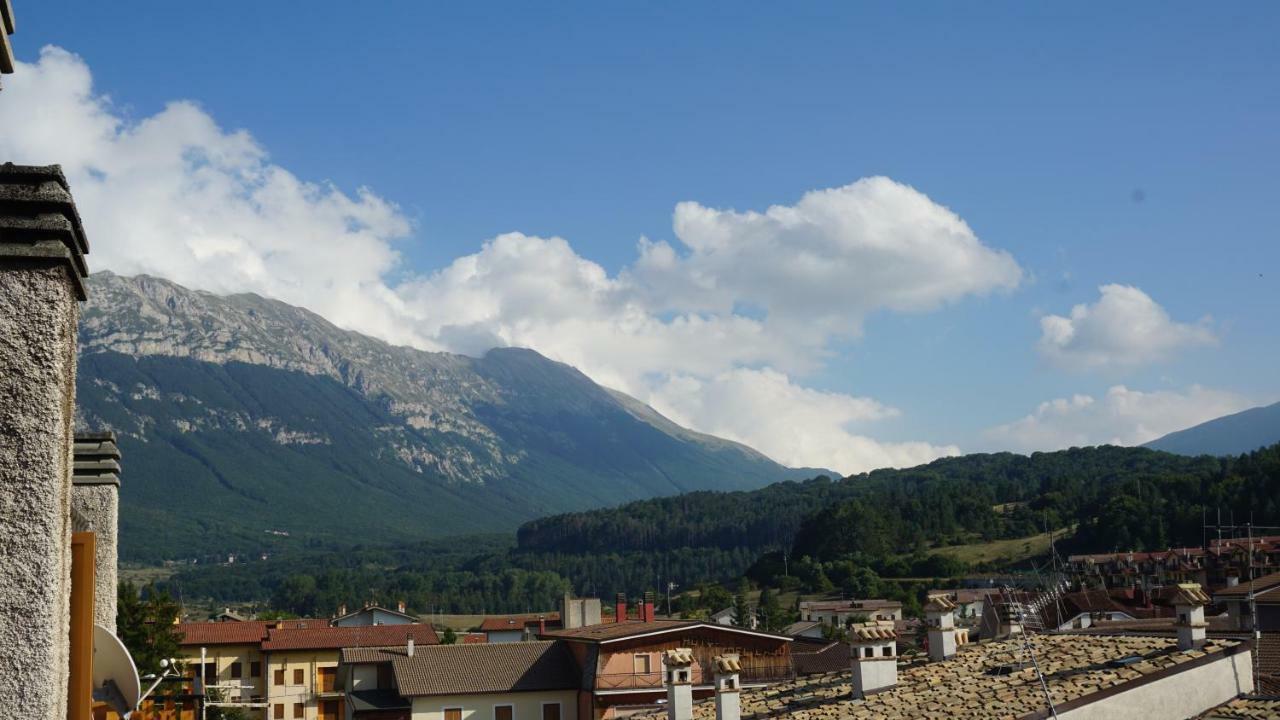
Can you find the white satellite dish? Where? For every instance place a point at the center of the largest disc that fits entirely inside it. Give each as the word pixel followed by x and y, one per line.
pixel 115 677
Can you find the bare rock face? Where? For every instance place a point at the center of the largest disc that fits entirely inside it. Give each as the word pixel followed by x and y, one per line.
pixel 262 404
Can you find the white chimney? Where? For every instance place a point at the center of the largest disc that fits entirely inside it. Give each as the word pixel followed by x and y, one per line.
pixel 728 703
pixel 939 614
pixel 678 667
pixel 874 651
pixel 1189 604
pixel 408 648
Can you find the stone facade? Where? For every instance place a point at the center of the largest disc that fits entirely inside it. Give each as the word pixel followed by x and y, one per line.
pixel 41 273
pixel 95 507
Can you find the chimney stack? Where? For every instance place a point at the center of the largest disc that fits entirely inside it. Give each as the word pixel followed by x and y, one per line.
pixel 95 508
pixel 400 606
pixel 1189 604
pixel 678 667
pixel 728 703
pixel 542 626
pixel 939 614
pixel 874 653
pixel 620 607
pixel 648 608
pixel 42 271
pixel 408 647
pixel 342 610
pixel 1233 577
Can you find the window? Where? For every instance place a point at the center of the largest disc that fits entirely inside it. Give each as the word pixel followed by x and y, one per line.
pixel 255 669
pixel 640 664
pixel 329 710
pixel 503 712
pixel 298 677
pixel 385 680
pixel 551 711
pixel 888 651
pixel 210 673
pixel 235 670
pixel 868 652
pixel 453 714
pixel 277 712
pixel 279 677
pixel 297 710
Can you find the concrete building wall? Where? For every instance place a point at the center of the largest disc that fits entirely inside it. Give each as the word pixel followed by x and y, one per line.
pixel 290 691
pixel 1174 697
pixel 99 505
pixel 526 705
pixel 38 317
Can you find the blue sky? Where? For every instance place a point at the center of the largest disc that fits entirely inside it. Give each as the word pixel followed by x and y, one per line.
pixel 1094 144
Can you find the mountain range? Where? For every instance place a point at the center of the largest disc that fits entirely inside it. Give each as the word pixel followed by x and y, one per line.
pixel 249 425
pixel 1241 432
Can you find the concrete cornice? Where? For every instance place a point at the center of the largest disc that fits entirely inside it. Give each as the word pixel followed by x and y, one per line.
pixel 39 220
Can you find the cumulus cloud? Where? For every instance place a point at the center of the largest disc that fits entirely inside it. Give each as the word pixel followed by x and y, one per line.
pixel 711 328
pixel 1124 328
pixel 785 421
pixel 1121 417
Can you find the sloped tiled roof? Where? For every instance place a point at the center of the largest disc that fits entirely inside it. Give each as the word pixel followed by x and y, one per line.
pixel 370 609
pixel 965 688
pixel 518 622
pixel 1246 709
pixel 248 632
pixel 609 632
pixel 325 637
pixel 832 657
pixel 487 668
pixel 1242 590
pixel 357 655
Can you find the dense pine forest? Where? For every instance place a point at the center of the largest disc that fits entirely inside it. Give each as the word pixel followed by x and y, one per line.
pixel 854 534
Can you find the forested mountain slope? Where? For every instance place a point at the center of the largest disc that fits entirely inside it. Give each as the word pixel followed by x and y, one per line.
pixel 248 426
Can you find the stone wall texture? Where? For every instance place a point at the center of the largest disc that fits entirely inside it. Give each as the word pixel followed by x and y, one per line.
pixel 99 506
pixel 38 316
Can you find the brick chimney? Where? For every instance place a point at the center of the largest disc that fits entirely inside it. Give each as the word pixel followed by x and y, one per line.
pixel 620 607
pixel 95 508
pixel 542 626
pixel 648 606
pixel 874 654
pixel 728 703
pixel 678 667
pixel 1189 604
pixel 42 271
pixel 939 616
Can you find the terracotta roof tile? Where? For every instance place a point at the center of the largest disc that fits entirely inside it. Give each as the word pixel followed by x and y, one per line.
pixel 966 687
pixel 1265 582
pixel 518 622
pixel 233 633
pixel 342 637
pixel 487 668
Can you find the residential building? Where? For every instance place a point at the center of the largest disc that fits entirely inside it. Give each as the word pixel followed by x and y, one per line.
pixel 537 680
pixel 518 628
pixel 806 629
pixel 727 616
pixel 1240 599
pixel 839 613
pixel 285 669
pixel 373 615
pixel 621 662
pixel 969 601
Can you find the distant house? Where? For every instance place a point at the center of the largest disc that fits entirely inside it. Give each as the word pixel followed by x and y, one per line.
pixel 518 628
pixel 373 615
pixel 537 680
pixel 725 617
pixel 838 613
pixel 969 602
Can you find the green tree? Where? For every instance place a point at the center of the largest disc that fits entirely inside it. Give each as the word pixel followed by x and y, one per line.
pixel 774 617
pixel 741 608
pixel 448 637
pixel 145 624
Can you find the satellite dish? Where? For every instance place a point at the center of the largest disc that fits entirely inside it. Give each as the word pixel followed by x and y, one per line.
pixel 115 677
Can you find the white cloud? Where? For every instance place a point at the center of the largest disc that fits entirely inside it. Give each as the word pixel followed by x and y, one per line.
pixel 1124 328
pixel 1121 417
pixel 790 423
pixel 710 329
